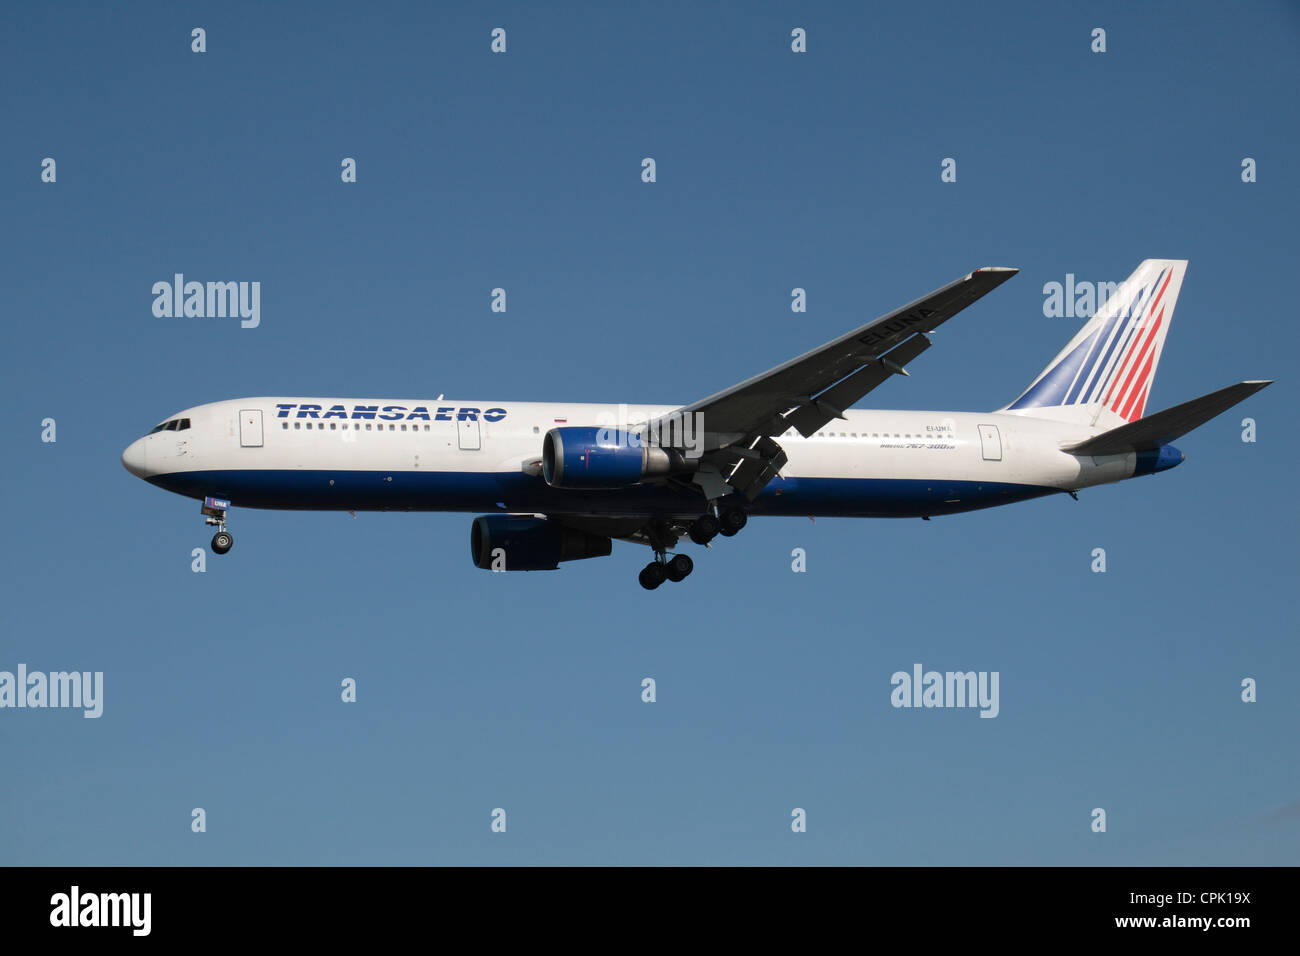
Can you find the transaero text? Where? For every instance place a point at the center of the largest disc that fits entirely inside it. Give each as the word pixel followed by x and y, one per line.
pixel 392 413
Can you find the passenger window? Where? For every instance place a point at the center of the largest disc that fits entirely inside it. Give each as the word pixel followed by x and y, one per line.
pixel 333 425
pixel 367 426
pixel 284 425
pixel 403 428
pixel 297 425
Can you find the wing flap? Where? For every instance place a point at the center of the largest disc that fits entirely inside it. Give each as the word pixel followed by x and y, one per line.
pixel 822 408
pixel 755 466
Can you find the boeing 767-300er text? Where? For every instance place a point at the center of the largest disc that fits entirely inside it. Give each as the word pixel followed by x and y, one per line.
pixel 562 481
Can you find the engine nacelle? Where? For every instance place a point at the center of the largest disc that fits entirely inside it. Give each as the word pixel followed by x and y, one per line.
pixel 521 543
pixel 584 457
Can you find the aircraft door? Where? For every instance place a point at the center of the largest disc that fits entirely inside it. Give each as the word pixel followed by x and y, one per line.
pixel 991 442
pixel 468 436
pixel 250 428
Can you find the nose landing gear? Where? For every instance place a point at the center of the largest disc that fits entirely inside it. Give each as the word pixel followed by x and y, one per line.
pixel 214 513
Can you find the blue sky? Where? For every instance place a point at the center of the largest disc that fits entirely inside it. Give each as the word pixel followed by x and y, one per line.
pixel 775 170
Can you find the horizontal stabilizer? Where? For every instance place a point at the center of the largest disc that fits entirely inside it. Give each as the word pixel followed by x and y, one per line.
pixel 1163 427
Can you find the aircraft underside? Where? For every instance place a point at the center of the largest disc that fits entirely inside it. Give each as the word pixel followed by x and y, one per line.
pixel 521 493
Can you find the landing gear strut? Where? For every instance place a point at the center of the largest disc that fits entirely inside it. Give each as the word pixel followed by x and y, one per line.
pixel 214 513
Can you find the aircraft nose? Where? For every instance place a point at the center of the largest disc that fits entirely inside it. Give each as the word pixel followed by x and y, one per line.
pixel 133 459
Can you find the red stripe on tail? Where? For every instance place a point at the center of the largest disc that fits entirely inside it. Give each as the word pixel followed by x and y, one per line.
pixel 1147 342
pixel 1133 346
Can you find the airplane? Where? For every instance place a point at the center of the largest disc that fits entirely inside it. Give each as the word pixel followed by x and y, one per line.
pixel 561 482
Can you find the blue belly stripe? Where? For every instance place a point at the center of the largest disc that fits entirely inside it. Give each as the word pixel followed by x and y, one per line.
pixel 300 490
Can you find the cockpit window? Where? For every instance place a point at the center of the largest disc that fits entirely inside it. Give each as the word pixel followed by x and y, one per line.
pixel 175 425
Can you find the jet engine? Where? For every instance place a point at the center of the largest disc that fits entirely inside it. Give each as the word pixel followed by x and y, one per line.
pixel 584 457
pixel 526 543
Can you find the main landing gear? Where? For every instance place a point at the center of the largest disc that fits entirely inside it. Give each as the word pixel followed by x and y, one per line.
pixel 726 522
pixel 704 528
pixel 733 519
pixel 663 568
pixel 708 526
pixel 214 513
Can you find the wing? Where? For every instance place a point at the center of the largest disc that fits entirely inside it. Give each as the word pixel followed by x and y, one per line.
pixel 739 423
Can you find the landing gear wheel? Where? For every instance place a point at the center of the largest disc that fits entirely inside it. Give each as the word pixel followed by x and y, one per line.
pixel 222 542
pixel 652 575
pixel 704 528
pixel 679 566
pixel 733 519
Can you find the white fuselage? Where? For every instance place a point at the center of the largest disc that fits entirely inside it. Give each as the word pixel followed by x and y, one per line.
pixel 441 455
